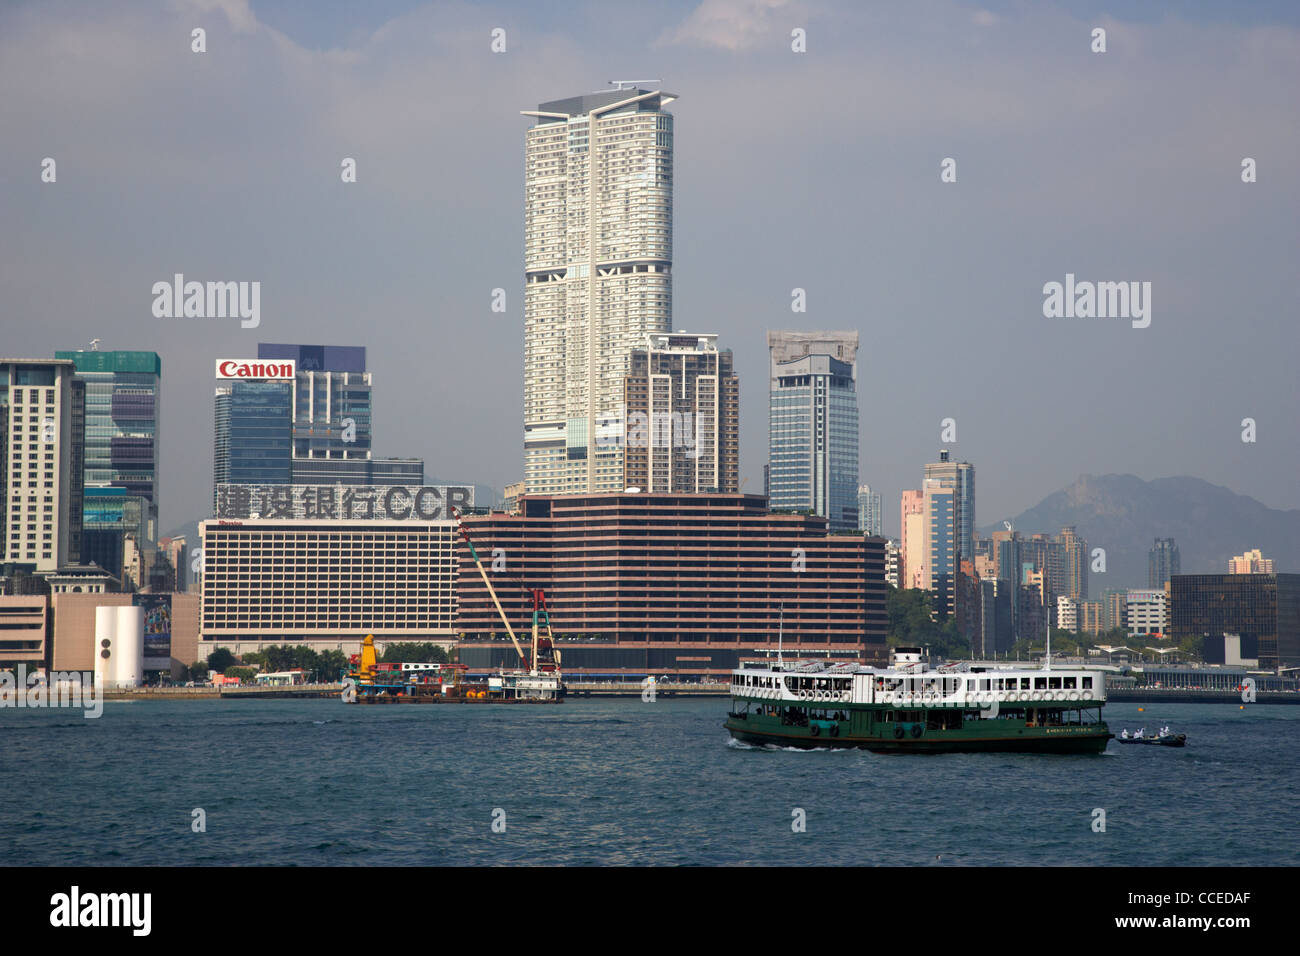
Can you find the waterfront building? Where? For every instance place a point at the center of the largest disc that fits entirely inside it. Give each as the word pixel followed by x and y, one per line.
pixel 598 231
pixel 683 585
pixel 1261 610
pixel 24 623
pixel 171 630
pixel 326 582
pixel 870 518
pixel 120 472
pixel 1163 562
pixel 1250 562
pixel 253 436
pixel 42 463
pixel 681 416
pixel 1145 613
pixel 1113 609
pixel 813 424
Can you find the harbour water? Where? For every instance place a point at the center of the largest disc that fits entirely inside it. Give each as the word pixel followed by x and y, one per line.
pixel 618 781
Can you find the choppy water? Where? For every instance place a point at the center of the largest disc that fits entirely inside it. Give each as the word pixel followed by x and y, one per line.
pixel 617 782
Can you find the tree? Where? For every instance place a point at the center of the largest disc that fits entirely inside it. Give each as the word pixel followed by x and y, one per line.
pixel 243 673
pixel 424 652
pixel 333 665
pixel 221 659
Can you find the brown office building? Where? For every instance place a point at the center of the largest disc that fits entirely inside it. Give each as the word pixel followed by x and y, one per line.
pixel 681 585
pixel 682 430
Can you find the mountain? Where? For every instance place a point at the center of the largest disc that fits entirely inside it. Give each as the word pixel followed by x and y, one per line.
pixel 1124 515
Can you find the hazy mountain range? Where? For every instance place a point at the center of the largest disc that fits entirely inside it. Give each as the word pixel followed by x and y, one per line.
pixel 1124 515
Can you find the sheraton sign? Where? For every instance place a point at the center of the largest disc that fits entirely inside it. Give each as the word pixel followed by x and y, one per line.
pixel 253 369
pixel 238 502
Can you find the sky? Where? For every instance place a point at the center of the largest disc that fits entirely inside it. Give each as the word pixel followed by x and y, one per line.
pixel 817 170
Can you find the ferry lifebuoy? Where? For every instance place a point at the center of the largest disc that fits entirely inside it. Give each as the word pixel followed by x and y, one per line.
pixel 1074 695
pixel 1087 695
pixel 814 730
pixel 899 731
pixel 917 730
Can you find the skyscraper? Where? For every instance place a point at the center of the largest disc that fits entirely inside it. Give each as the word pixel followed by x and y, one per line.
pixel 959 476
pixel 332 419
pixel 42 449
pixel 1162 562
pixel 121 451
pixel 869 516
pixel 813 424
pixel 598 241
pixel 941 521
pixel 253 436
pixel 1074 557
pixel 682 428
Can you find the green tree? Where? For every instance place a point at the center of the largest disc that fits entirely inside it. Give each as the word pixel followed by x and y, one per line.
pixel 243 673
pixel 220 659
pixel 333 665
pixel 424 652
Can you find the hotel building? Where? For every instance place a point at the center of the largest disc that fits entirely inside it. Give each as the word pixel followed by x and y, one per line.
pixel 672 584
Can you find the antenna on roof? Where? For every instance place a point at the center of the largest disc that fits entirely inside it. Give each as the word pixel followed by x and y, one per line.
pixel 631 84
pixel 94 345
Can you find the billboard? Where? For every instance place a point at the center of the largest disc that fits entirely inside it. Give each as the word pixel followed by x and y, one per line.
pixel 354 502
pixel 157 630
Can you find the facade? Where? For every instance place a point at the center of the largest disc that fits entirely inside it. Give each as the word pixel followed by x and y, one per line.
pixel 123 415
pixel 941 550
pixel 1262 610
pixel 672 584
pixel 893 557
pixel 813 425
pixel 1067 613
pixel 1092 618
pixel 911 550
pixel 598 248
pixel 253 441
pixel 23 629
pixel 960 477
pixel 1074 564
pixel 1145 613
pixel 1163 562
pixel 1250 562
pixel 42 447
pixel 870 518
pixel 326 582
pixel 171 629
pixel 681 417
pixel 1113 609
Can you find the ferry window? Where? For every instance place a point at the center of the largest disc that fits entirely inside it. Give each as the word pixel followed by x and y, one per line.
pixel 1040 683
pixel 1054 683
pixel 1087 683
pixel 1069 683
pixel 984 684
pixel 1024 683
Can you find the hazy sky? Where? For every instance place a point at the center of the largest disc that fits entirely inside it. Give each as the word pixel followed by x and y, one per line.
pixel 818 170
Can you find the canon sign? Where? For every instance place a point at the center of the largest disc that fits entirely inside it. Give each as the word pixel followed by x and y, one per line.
pixel 239 368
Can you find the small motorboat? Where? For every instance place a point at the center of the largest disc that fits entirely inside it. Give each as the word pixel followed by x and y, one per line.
pixel 1159 740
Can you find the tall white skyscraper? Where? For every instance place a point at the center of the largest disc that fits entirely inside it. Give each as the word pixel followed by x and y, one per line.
pixel 598 245
pixel 869 517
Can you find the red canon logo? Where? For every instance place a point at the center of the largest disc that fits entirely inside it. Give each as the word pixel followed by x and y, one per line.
pixel 239 368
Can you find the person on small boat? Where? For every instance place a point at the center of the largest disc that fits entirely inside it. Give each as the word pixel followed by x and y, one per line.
pixel 1164 731
pixel 1138 734
pixel 1124 734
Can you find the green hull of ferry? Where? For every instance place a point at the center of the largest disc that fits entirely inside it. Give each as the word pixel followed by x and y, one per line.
pixel 885 729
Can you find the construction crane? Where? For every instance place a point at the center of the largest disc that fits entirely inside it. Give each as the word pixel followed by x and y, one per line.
pixel 545 658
